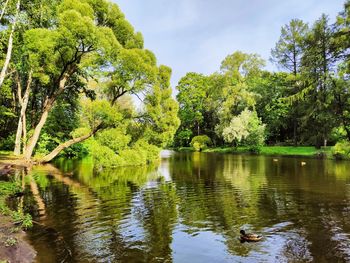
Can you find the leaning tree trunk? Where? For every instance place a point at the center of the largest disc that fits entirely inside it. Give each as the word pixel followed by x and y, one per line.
pixel 21 128
pixel 47 108
pixel 35 137
pixel 67 144
pixel 9 47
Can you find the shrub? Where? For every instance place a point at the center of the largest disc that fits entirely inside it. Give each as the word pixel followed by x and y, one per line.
pixel 116 139
pixel 8 143
pixel 200 142
pixel 341 150
pixel 140 153
pixel 78 150
pixel 46 144
pixel 246 129
pixel 104 156
pixel 152 151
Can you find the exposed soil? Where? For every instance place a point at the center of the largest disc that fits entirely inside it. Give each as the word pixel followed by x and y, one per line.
pixel 13 244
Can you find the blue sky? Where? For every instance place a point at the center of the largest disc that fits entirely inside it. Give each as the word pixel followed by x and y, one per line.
pixel 196 35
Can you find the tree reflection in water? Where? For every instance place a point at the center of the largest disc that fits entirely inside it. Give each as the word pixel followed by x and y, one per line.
pixel 195 212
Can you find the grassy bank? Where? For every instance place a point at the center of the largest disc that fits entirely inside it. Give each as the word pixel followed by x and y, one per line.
pixel 270 150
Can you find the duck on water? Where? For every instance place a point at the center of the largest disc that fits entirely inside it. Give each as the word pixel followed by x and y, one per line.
pixel 248 237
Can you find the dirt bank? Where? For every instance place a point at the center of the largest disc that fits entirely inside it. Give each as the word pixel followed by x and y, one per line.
pixel 13 244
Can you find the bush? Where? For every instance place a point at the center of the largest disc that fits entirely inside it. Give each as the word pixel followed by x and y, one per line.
pixel 200 142
pixel 246 129
pixel 78 150
pixel 104 156
pixel 152 151
pixel 140 153
pixel 116 139
pixel 8 143
pixel 341 150
pixel 46 144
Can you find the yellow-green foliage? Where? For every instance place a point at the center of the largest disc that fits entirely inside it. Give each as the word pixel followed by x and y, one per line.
pixel 115 138
pixel 141 153
pixel 341 150
pixel 200 142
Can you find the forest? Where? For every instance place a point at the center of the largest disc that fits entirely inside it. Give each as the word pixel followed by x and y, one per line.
pixel 306 103
pixel 76 80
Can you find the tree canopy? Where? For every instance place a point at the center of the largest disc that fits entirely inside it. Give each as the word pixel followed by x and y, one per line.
pixel 74 66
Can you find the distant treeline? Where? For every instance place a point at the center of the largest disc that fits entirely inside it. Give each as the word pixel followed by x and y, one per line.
pixel 306 103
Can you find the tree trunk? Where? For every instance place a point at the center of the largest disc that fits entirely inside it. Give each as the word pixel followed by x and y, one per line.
pixel 3 9
pixel 35 137
pixel 24 134
pixel 48 106
pixel 295 132
pixel 67 144
pixel 17 150
pixel 21 128
pixel 9 47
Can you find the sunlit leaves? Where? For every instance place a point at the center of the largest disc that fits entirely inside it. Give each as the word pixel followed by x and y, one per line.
pixel 246 128
pixel 99 111
pixel 161 110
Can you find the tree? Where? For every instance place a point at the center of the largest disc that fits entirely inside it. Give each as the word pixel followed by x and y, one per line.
pixel 318 66
pixel 161 111
pixel 79 44
pixel 289 49
pixel 342 35
pixel 276 113
pixel 193 92
pixel 239 70
pixel 134 71
pixel 288 54
pixel 10 42
pixel 247 129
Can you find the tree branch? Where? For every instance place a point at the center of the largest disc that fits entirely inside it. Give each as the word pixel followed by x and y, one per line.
pixel 69 143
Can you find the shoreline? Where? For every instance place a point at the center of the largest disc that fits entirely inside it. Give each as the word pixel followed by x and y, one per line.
pixel 14 245
pixel 284 151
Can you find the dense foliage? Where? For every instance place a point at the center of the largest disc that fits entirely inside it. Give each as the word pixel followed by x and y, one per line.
pixel 73 69
pixel 200 142
pixel 307 103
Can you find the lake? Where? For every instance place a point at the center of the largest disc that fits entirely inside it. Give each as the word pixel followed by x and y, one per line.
pixel 190 208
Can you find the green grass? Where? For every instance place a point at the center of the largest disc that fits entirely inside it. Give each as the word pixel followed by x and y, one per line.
pixel 269 150
pixel 185 149
pixel 290 150
pixel 6 190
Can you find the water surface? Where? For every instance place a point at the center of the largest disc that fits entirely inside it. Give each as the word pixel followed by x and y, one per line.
pixel 190 209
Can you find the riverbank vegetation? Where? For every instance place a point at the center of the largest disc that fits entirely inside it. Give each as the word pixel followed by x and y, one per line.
pixel 245 106
pixel 270 150
pixel 71 71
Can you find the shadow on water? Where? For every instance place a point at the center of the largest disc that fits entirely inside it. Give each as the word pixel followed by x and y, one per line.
pixel 191 208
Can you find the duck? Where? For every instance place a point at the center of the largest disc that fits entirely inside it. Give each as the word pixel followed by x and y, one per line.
pixel 249 237
pixel 303 163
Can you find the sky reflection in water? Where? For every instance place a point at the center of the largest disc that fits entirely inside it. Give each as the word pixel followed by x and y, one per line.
pixel 190 209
